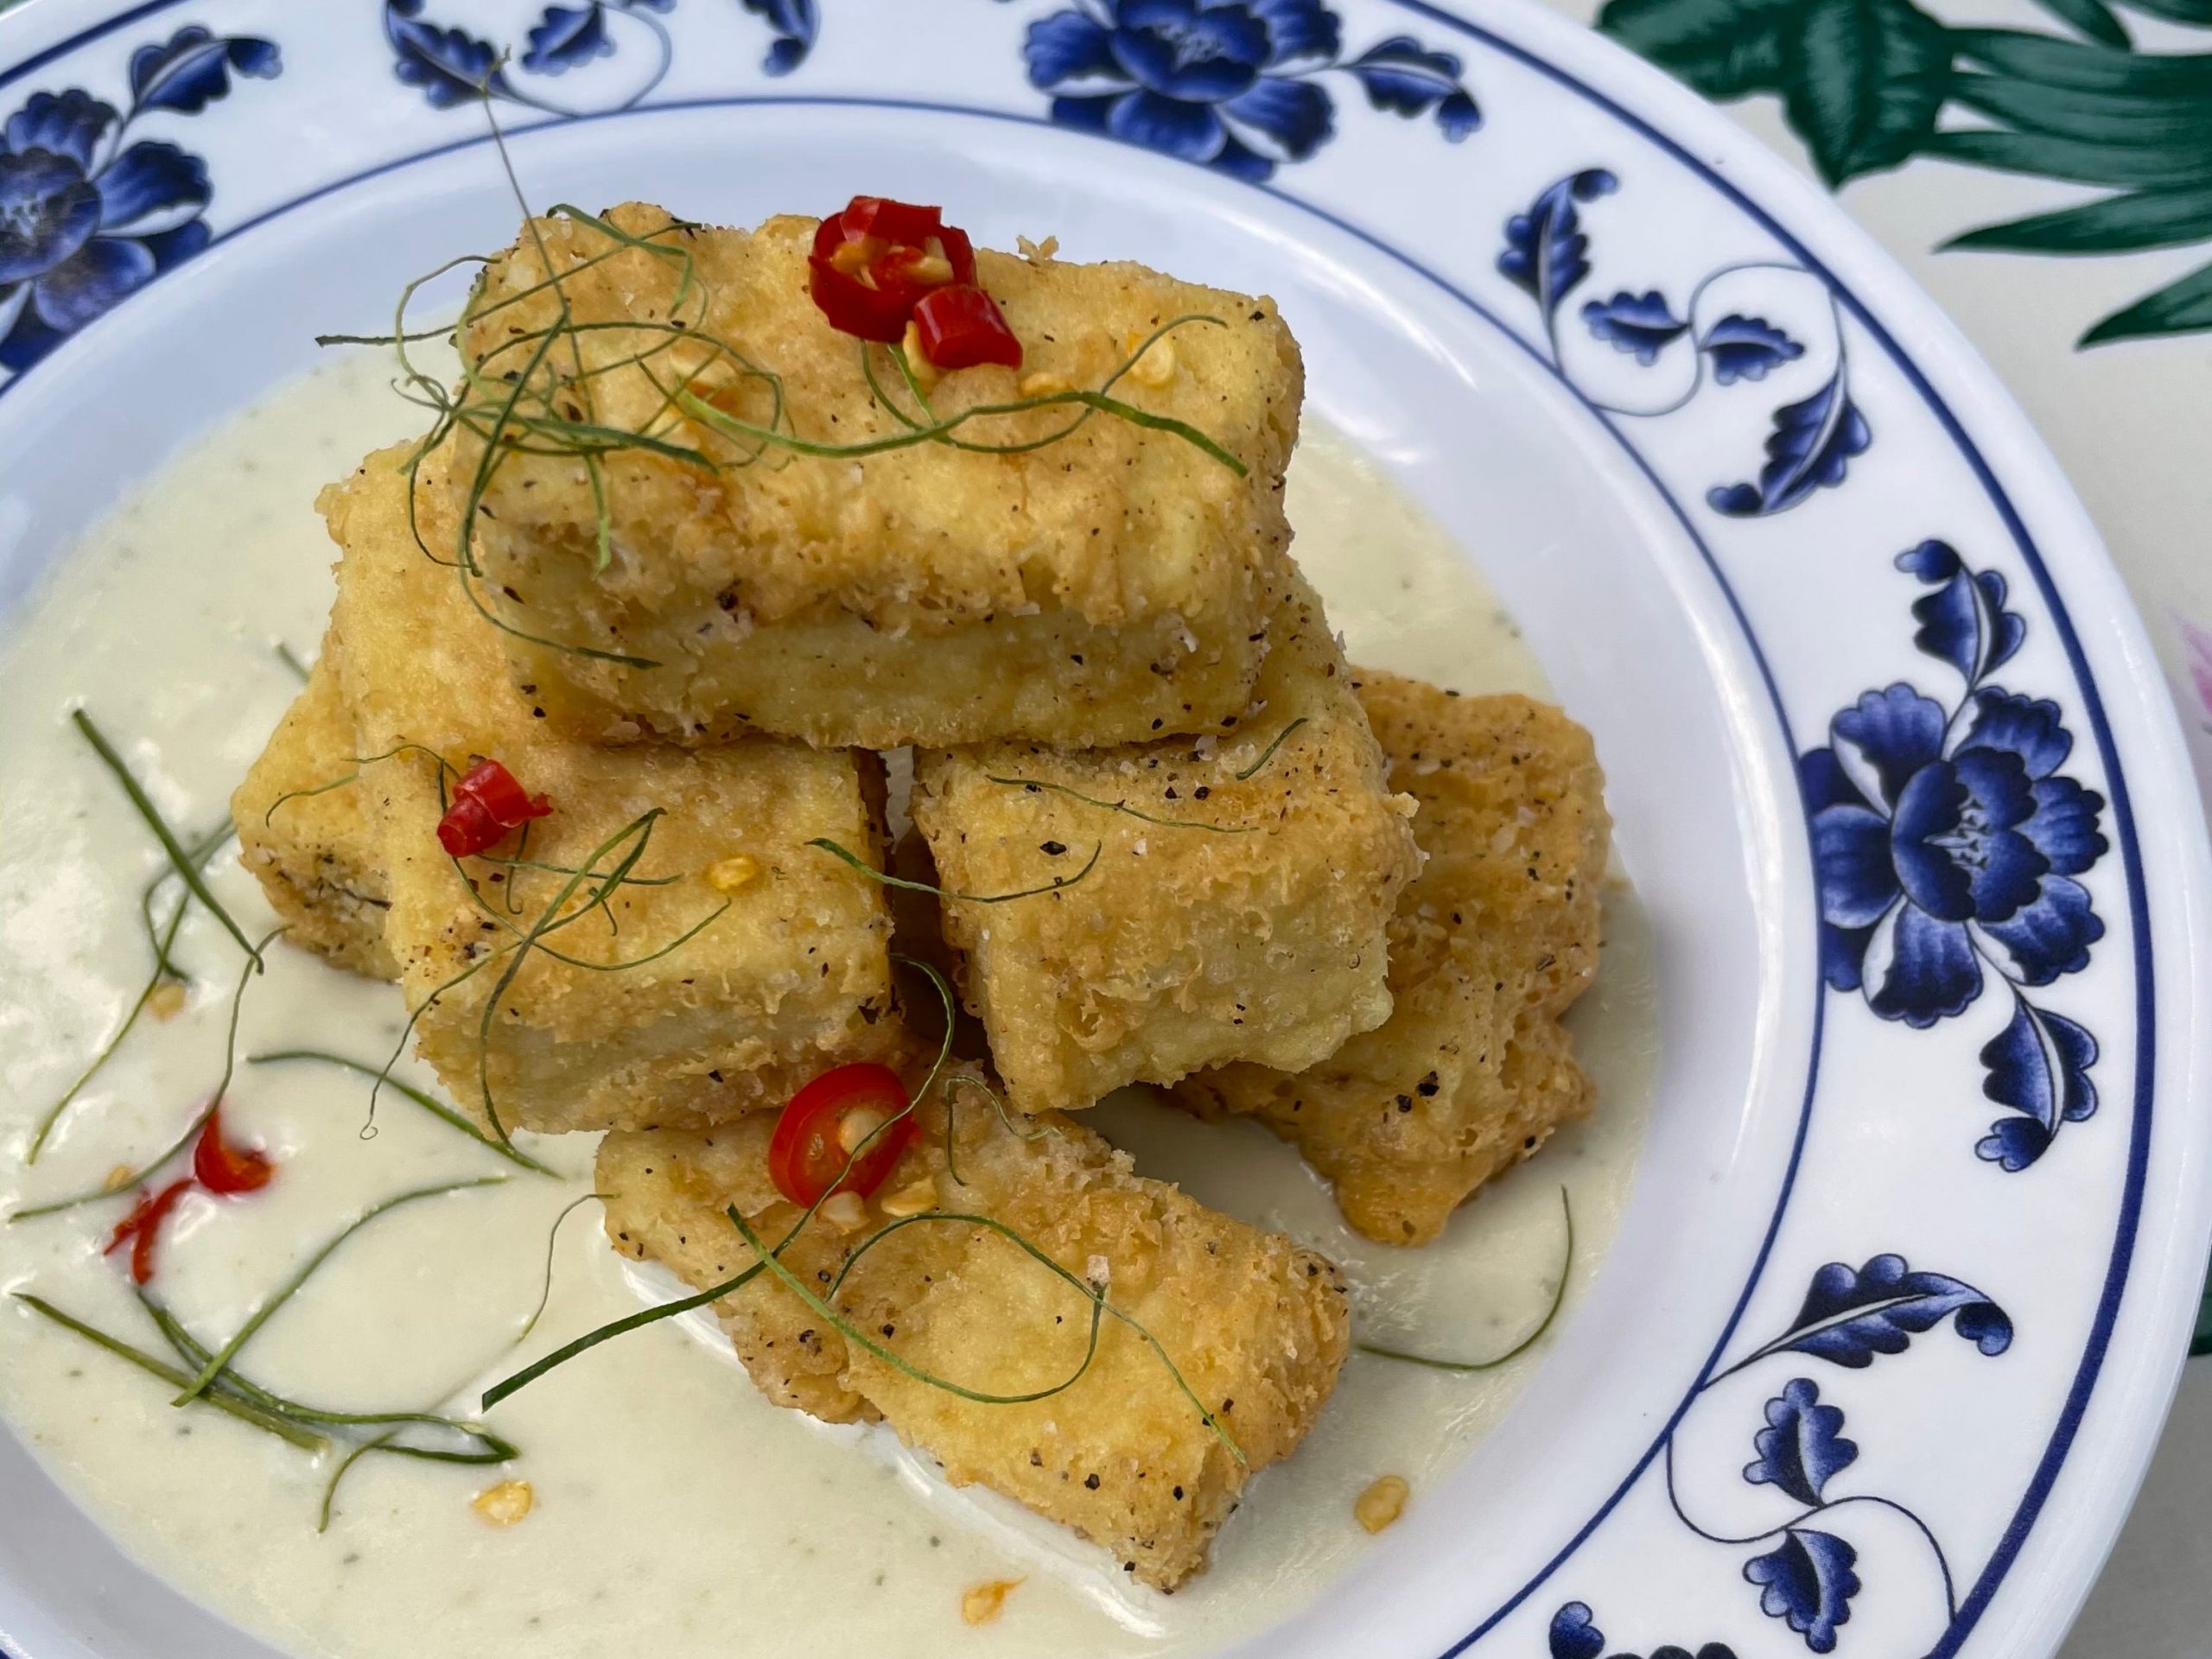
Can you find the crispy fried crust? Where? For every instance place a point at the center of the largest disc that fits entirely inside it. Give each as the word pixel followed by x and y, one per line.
pixel 314 854
pixel 1257 1327
pixel 793 976
pixel 1182 947
pixel 1100 588
pixel 1490 945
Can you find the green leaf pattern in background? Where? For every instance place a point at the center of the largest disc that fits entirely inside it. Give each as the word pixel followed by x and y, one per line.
pixel 1866 84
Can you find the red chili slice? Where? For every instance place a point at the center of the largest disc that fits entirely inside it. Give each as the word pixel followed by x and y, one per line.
pixel 142 1228
pixel 226 1169
pixel 875 260
pixel 828 1119
pixel 962 327
pixel 486 803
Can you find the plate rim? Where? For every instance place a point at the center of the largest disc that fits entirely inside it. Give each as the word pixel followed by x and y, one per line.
pixel 1981 417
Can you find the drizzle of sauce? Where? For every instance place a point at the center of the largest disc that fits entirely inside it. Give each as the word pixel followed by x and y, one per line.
pixel 673 1509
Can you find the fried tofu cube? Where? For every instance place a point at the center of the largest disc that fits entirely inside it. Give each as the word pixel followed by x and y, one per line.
pixel 1106 586
pixel 1490 944
pixel 303 835
pixel 1254 1325
pixel 1242 918
pixel 699 989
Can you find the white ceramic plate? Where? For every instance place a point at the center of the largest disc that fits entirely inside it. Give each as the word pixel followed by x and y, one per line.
pixel 1921 1212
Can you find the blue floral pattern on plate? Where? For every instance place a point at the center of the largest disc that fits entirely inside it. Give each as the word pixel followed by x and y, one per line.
pixel 1949 842
pixel 89 214
pixel 450 66
pixel 1234 83
pixel 1809 1575
pixel 1814 439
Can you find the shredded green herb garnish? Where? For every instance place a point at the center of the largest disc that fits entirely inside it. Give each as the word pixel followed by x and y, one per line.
pixel 285 655
pixel 1466 1366
pixel 181 860
pixel 943 1053
pixel 879 876
pixel 561 1356
pixel 270 1423
pixel 163 938
pixel 1035 784
pixel 969 1080
pixel 1268 754
pixel 488 1448
pixel 551 920
pixel 445 768
pixel 117 1187
pixel 222 1357
pixel 859 1339
pixel 299 1424
pixel 553 1238
pixel 429 1103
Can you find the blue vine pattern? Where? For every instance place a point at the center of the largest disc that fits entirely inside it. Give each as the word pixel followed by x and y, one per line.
pixel 1234 85
pixel 87 219
pixel 1948 842
pixel 1808 1576
pixel 1813 440
pixel 451 66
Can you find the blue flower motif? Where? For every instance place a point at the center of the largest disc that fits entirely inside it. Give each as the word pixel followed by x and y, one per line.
pixel 1228 83
pixel 795 24
pixel 1573 1634
pixel 1808 1582
pixel 1744 348
pixel 1643 324
pixel 1811 448
pixel 451 66
pixel 1546 248
pixel 87 219
pixel 1802 1446
pixel 1939 851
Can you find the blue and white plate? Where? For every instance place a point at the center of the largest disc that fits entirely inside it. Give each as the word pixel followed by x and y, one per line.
pixel 1889 1329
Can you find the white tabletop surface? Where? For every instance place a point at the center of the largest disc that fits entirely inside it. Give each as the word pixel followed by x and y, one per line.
pixel 2132 424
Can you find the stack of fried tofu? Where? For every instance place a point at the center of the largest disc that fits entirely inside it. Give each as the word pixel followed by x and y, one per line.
pixel 1172 839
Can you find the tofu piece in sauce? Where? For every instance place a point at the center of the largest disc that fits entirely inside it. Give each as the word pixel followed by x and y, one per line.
pixel 1489 946
pixel 1256 1326
pixel 309 843
pixel 790 975
pixel 1248 927
pixel 1105 587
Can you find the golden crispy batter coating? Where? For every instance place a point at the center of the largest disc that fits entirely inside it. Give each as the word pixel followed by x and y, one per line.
pixel 1257 1327
pixel 1490 945
pixel 1102 587
pixel 315 855
pixel 1182 948
pixel 793 977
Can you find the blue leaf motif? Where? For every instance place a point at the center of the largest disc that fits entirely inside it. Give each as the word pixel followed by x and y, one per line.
pixel 194 68
pixel 1744 348
pixel 2039 1066
pixel 1850 1315
pixel 1811 446
pixel 448 67
pixel 1809 1582
pixel 1964 621
pixel 1573 1634
pixel 1402 76
pixel 1640 323
pixel 1802 1445
pixel 567 37
pixel 1545 246
pixel 797 24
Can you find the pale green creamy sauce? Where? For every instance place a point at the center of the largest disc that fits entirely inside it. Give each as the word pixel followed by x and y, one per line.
pixel 676 1512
